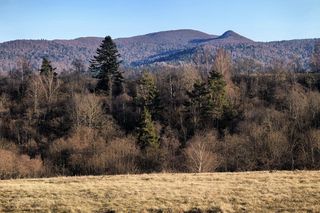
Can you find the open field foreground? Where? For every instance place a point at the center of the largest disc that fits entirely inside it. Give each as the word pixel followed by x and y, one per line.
pixel 226 192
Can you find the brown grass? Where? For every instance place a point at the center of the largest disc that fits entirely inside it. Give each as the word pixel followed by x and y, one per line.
pixel 230 192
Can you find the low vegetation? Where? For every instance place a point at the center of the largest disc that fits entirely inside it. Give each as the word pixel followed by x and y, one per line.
pixel 296 191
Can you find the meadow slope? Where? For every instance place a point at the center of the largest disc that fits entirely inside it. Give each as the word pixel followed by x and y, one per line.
pixel 297 191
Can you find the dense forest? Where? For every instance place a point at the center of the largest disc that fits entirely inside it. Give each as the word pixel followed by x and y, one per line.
pixel 112 120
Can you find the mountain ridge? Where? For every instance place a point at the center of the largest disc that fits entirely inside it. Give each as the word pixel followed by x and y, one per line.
pixel 164 47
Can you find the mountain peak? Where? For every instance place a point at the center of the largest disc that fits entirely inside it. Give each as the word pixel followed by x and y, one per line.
pixel 231 35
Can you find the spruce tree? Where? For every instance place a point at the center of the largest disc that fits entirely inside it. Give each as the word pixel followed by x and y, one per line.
pixel 217 98
pixel 105 67
pixel 46 68
pixel 197 105
pixel 148 95
pixel 147 134
pixel 207 102
pixel 117 83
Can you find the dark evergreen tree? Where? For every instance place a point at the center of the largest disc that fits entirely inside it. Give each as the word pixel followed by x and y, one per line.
pixel 207 103
pixel 105 67
pixel 148 95
pixel 217 98
pixel 147 134
pixel 117 83
pixel 197 106
pixel 46 67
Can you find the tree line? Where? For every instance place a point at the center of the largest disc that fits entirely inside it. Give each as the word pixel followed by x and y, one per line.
pixel 196 118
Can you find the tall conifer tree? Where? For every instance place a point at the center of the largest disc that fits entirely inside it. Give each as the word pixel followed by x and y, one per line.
pixel 217 98
pixel 105 67
pixel 207 102
pixel 147 134
pixel 148 95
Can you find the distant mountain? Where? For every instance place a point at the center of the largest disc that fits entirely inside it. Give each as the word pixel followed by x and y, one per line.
pixel 135 50
pixel 168 47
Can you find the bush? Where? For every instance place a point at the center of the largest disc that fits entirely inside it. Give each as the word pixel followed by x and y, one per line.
pixel 121 156
pixel 85 152
pixel 13 165
pixel 70 155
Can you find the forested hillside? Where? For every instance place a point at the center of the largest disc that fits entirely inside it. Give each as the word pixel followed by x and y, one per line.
pixel 178 119
pixel 179 47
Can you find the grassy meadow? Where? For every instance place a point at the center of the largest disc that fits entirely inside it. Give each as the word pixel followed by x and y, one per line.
pixel 297 191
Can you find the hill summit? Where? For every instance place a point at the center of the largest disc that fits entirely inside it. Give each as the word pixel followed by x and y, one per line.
pixel 234 36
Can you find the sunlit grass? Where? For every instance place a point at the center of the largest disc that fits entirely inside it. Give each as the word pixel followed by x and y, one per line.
pixel 230 192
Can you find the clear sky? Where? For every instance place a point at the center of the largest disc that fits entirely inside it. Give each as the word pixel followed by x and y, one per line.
pixel 260 20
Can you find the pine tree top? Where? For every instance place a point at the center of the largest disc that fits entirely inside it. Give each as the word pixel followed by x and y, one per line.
pixel 106 61
pixel 46 67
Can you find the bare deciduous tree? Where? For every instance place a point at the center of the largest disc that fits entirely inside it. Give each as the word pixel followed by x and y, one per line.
pixel 88 110
pixel 43 89
pixel 78 66
pixel 49 85
pixel 35 94
pixel 203 58
pixel 313 138
pixel 200 153
pixel 223 64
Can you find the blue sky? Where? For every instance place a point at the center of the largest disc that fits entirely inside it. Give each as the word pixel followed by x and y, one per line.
pixel 260 20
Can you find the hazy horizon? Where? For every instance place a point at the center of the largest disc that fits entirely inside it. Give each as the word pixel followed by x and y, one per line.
pixel 259 21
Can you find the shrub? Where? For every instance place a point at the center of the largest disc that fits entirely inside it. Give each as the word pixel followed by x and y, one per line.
pixel 85 152
pixel 121 156
pixel 13 165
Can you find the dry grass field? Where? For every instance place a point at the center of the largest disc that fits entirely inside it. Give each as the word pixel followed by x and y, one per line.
pixel 214 192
